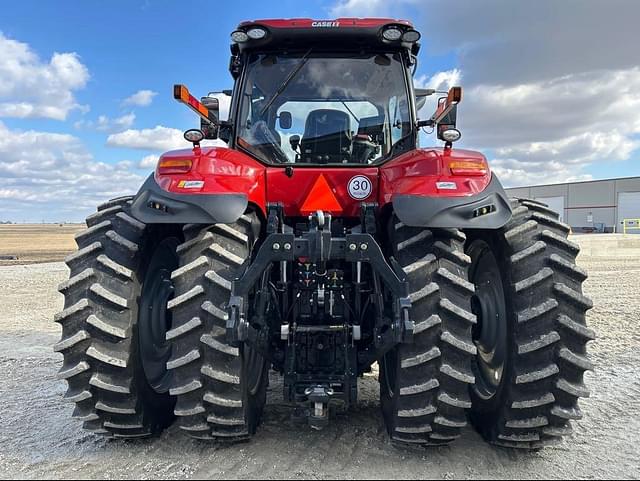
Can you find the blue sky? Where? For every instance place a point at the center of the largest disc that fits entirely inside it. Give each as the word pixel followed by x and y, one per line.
pixel 135 45
pixel 569 111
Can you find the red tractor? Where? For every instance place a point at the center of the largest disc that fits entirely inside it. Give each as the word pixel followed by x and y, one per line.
pixel 321 241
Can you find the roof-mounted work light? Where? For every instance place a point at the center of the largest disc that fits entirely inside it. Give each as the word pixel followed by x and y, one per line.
pixel 411 36
pixel 392 34
pixel 257 33
pixel 239 36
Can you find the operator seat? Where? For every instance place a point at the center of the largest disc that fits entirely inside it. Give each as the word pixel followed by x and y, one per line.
pixel 327 137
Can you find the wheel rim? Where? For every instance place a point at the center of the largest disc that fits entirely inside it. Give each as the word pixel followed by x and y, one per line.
pixel 155 319
pixel 490 332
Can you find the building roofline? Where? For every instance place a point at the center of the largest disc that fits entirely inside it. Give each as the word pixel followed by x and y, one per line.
pixel 575 183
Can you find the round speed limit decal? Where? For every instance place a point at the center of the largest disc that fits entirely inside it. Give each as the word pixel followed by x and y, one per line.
pixel 360 187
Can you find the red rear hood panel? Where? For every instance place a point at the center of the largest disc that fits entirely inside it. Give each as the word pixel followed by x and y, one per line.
pixel 422 172
pixel 222 171
pixel 297 191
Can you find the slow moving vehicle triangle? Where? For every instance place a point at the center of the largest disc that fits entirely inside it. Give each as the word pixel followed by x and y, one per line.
pixel 321 197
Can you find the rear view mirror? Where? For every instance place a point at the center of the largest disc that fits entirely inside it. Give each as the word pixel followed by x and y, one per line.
pixel 210 130
pixel 213 104
pixel 286 120
pixel 421 97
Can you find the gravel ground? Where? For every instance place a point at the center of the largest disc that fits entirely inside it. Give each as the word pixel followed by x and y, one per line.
pixel 38 438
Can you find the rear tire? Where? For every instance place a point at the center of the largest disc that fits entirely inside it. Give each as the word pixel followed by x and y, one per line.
pixel 101 328
pixel 221 389
pixel 425 385
pixel 542 331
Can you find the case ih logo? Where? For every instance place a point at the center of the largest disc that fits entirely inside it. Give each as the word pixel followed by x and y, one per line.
pixel 326 24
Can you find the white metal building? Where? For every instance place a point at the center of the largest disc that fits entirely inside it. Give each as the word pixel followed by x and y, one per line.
pixel 599 205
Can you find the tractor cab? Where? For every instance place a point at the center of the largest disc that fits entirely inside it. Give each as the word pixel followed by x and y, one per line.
pixel 312 93
pixel 324 108
pixel 334 92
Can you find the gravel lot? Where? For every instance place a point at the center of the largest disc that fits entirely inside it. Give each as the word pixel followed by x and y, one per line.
pixel 38 438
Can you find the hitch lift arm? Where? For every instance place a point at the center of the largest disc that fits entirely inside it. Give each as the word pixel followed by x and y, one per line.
pixel 317 245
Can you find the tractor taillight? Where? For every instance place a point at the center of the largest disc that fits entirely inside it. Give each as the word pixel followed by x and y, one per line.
pixel 174 166
pixel 469 168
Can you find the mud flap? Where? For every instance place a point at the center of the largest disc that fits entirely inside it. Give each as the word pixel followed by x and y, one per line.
pixel 490 209
pixel 153 205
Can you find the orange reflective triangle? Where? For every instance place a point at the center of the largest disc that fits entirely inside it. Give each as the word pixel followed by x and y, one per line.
pixel 321 197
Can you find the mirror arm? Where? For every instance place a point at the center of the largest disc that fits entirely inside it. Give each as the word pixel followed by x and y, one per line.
pixel 425 123
pixel 182 95
pixel 447 109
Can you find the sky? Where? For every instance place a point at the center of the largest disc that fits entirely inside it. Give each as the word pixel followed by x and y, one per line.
pixel 552 88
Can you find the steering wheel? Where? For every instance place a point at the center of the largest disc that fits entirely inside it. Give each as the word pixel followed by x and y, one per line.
pixel 264 136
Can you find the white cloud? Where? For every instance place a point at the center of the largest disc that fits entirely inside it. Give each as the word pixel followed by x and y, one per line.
pixel 142 98
pixel 369 8
pixel 124 122
pixel 440 81
pixel 148 162
pixel 106 124
pixel 542 92
pixel 350 8
pixel 53 177
pixel 514 173
pixel 501 42
pixel 159 138
pixel 574 120
pixel 549 130
pixel 32 88
pixel 578 149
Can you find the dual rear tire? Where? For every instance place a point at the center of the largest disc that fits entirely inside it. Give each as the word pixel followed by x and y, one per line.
pixel 108 323
pixel 532 336
pixel 220 389
pixel 425 385
pixel 143 329
pixel 500 336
